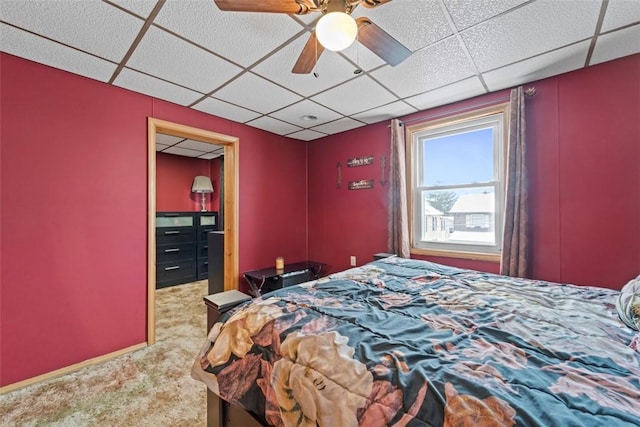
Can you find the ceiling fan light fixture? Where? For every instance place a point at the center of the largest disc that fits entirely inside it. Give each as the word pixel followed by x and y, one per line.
pixel 336 31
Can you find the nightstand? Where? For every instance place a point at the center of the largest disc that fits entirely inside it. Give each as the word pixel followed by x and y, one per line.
pixel 221 302
pixel 382 255
pixel 268 279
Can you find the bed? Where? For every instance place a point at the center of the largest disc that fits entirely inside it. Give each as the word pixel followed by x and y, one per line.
pixel 403 342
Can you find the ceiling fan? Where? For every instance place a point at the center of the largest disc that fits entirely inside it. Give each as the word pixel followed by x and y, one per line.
pixel 335 24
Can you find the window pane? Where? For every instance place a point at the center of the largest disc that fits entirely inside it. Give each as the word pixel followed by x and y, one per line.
pixel 460 158
pixel 463 216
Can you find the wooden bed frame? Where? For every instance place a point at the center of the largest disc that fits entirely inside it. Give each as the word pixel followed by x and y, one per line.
pixel 221 413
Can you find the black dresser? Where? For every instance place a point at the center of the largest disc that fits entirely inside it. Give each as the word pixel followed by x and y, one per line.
pixel 181 246
pixel 205 222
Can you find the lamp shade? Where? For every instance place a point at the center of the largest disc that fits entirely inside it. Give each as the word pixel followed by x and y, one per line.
pixel 202 184
pixel 336 30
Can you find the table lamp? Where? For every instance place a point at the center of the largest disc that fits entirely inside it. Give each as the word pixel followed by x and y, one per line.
pixel 202 185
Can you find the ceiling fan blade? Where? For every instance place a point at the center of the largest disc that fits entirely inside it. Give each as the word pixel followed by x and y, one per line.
pixel 373 3
pixel 299 7
pixel 380 42
pixel 309 56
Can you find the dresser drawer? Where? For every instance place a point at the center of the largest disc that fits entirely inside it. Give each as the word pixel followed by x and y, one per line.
pixel 203 233
pixel 175 219
pixel 175 252
pixel 172 273
pixel 207 219
pixel 176 247
pixel 203 249
pixel 168 236
pixel 203 268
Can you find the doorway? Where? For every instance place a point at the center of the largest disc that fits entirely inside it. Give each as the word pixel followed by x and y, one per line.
pixel 229 203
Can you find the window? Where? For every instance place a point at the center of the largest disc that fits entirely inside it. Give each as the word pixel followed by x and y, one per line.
pixel 457 181
pixel 478 221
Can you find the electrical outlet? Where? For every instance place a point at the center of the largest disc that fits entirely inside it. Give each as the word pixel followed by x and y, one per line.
pixel 353 260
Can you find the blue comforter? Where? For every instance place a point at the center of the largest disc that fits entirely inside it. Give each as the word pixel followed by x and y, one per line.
pixel 410 343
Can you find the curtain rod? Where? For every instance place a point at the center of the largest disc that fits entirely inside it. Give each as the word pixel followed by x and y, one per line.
pixel 531 91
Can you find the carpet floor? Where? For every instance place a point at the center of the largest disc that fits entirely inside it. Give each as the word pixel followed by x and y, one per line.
pixel 148 387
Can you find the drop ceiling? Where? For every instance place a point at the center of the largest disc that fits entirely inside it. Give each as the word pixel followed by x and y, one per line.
pixel 170 144
pixel 237 65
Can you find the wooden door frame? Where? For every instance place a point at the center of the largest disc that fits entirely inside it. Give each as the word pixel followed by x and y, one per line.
pixel 231 171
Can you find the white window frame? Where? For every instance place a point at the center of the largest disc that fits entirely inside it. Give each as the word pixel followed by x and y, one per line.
pixel 496 117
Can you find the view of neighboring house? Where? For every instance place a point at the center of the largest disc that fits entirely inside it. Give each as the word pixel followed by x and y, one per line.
pixel 471 220
pixel 437 225
pixel 474 218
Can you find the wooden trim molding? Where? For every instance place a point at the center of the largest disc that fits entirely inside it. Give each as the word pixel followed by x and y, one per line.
pixel 71 368
pixel 151 231
pixel 231 173
pixel 410 131
pixel 231 217
pixel 474 256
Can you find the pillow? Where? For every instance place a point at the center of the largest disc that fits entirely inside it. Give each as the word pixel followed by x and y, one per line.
pixel 628 304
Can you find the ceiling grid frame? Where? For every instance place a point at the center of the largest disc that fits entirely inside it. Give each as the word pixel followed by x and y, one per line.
pixel 431 76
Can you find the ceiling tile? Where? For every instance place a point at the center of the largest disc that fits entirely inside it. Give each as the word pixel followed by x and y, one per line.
pixel 141 83
pixel 540 67
pixel 93 26
pixel 386 112
pixel 306 135
pixel 309 19
pixel 257 94
pixel 414 23
pixel 338 126
pixel 160 147
pixel 530 30
pixel 209 156
pixel 142 8
pixel 620 13
pixel 38 49
pixel 617 44
pixel 464 89
pixel 355 96
pixel 466 13
pixel 170 58
pixel 183 152
pixel 332 69
pixel 162 138
pixel 241 37
pixel 361 57
pixel 427 69
pixel 197 145
pixel 237 65
pixel 273 125
pixel 294 113
pixel 225 110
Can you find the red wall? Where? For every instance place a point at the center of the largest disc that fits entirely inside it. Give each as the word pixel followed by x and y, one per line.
pixel 174 177
pixel 74 214
pixel 273 199
pixel 342 222
pixel 73 200
pixel 583 135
